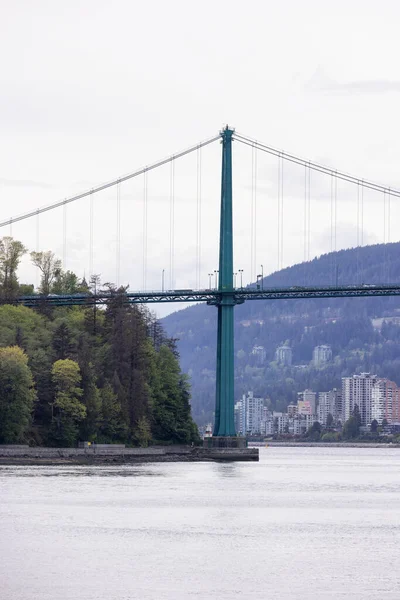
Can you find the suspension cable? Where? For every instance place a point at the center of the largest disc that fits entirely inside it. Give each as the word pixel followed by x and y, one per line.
pixel 315 166
pixel 105 186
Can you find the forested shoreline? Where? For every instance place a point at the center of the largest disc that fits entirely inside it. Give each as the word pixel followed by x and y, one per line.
pixel 103 374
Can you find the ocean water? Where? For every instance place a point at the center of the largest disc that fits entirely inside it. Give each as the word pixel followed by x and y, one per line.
pixel 307 523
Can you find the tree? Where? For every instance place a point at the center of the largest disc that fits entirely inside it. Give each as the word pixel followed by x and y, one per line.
pixel 142 432
pixel 11 252
pixel 329 421
pixel 50 266
pixel 314 433
pixel 374 426
pixel 69 411
pixel 17 395
pixel 351 428
pixel 63 345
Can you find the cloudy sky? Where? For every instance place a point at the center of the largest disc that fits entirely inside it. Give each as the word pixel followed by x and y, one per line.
pixel 94 89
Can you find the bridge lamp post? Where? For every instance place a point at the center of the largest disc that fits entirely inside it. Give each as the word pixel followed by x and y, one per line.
pixel 162 280
pixel 216 278
pixel 209 280
pixel 262 277
pixel 241 277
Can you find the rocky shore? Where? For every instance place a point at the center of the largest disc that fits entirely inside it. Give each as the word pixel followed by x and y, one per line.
pixel 106 455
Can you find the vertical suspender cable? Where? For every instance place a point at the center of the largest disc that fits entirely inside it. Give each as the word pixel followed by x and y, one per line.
pixel 254 214
pixel 335 234
pixel 118 236
pixel 65 237
pixel 37 244
pixel 198 221
pixel 282 214
pixel 305 222
pixel 171 223
pixel 279 212
pixel 252 275
pixel 309 214
pixel 358 232
pixel 144 230
pixel 91 236
pixel 332 260
pixel 388 237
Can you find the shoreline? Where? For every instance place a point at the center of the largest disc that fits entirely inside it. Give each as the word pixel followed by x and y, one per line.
pixel 39 456
pixel 326 445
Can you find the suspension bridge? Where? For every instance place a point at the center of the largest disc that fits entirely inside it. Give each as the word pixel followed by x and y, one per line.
pixel 225 294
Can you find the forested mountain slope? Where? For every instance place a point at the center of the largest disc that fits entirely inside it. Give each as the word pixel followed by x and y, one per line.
pixel 360 340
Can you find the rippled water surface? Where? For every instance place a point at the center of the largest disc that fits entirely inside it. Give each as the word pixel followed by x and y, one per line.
pixel 308 523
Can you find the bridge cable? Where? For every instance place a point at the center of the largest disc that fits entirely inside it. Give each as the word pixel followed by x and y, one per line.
pixel 331 249
pixel 91 236
pixel 335 238
pixel 358 233
pixel 282 212
pixel 105 186
pixel 253 225
pixel 279 213
pixel 37 246
pixel 198 224
pixel 309 216
pixel 118 236
pixel 305 225
pixel 144 230
pixel 171 224
pixel 64 237
pixel 314 166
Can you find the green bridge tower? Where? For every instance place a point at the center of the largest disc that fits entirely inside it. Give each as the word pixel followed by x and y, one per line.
pixel 224 426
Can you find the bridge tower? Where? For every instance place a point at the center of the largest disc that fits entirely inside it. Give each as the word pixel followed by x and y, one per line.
pixel 224 406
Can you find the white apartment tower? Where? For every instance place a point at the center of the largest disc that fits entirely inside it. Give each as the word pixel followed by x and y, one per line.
pixel 322 355
pixel 358 390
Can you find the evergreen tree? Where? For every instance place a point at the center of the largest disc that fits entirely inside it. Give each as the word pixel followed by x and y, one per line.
pixel 17 395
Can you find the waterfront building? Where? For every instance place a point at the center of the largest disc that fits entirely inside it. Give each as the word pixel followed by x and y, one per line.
pixel 249 414
pixel 385 401
pixel 283 356
pixel 358 390
pixel 329 403
pixel 322 355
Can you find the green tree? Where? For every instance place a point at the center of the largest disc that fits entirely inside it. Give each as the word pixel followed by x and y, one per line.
pixel 17 395
pixel 142 433
pixel 68 409
pixel 50 267
pixel 351 428
pixel 112 426
pixel 11 252
pixel 63 344
pixel 329 421
pixel 374 426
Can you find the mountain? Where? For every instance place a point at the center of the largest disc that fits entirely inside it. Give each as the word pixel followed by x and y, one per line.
pixel 364 333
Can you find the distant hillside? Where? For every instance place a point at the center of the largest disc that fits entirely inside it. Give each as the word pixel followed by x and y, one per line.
pixel 362 331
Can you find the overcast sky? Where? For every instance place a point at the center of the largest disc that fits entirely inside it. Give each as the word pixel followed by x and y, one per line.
pixel 94 89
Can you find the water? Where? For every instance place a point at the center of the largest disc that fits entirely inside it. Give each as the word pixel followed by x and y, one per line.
pixel 307 523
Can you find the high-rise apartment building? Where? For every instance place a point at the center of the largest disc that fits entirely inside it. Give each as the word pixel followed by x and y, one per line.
pixel 259 353
pixel 322 355
pixel 329 403
pixel 385 401
pixel 249 414
pixel 283 356
pixel 358 390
